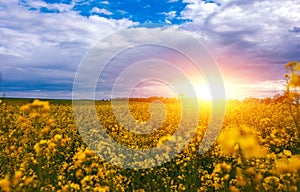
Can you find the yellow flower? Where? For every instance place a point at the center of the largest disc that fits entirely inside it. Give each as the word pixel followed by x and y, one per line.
pixel 250 147
pixel 287 153
pixel 29 180
pixel 226 177
pixel 258 178
pixel 12 147
pixel 17 177
pixel 79 157
pixel 34 115
pixel 240 178
pixel 75 186
pixel 45 130
pixel 294 188
pixel 162 140
pixel 217 168
pixel 233 189
pixel 50 122
pixel 295 80
pixel 228 139
pixel 78 173
pixel 5 184
pixel 139 190
pixel 37 148
pixel 58 137
pixel 25 108
pixel 297 67
pixel 290 64
pixel 226 166
pixel 51 147
pixel 270 181
pixel 87 180
pixel 88 152
pixel 250 171
pixel 105 189
pixel 180 177
pixel 288 165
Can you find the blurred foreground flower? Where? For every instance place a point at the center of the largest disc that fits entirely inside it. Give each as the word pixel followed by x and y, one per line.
pixel 241 139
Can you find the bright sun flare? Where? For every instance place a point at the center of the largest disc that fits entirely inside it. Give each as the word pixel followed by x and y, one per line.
pixel 203 91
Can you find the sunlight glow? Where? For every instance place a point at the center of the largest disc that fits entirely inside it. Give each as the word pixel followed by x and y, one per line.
pixel 203 91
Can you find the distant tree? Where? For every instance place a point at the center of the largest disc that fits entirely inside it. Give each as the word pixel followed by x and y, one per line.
pixel 0 83
pixel 266 100
pixel 251 100
pixel 292 92
pixel 279 98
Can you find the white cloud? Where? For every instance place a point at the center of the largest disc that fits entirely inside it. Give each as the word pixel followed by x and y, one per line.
pixel 258 89
pixel 101 11
pixel 170 15
pixel 245 35
pixel 105 2
pixel 198 11
pixel 47 47
pixel 61 7
pixel 26 30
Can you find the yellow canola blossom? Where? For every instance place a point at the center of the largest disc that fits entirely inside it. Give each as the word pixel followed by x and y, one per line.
pixel 42 150
pixel 5 184
pixel 288 165
pixel 233 139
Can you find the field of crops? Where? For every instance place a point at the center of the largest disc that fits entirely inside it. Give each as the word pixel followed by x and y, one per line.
pixel 41 149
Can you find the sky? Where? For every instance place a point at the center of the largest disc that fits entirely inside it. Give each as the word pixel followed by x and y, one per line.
pixel 42 43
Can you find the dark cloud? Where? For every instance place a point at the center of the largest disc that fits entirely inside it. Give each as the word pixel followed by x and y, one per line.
pixel 295 30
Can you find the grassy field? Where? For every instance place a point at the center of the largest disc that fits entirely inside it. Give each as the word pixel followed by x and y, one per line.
pixel 41 149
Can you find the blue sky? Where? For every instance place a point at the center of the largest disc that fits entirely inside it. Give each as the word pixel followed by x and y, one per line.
pixel 43 42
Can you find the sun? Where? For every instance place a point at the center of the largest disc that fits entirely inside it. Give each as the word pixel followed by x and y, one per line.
pixel 202 90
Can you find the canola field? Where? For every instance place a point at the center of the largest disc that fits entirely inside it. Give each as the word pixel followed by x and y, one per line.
pixel 41 149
